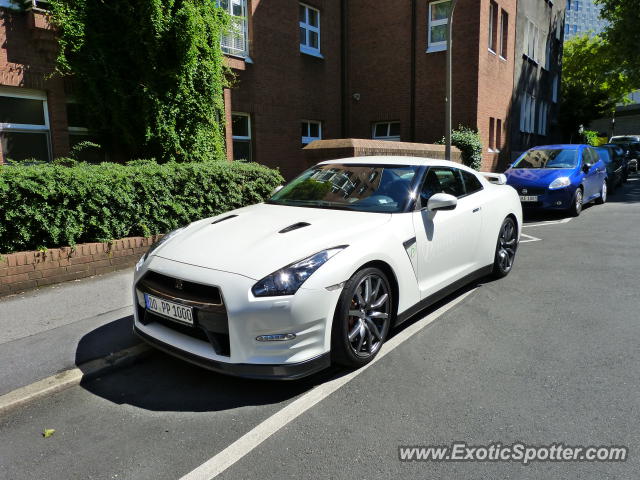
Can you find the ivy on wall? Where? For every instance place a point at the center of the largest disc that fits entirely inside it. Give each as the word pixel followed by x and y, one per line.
pixel 149 74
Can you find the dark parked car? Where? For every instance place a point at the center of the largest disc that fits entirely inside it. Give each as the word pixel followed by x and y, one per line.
pixel 632 151
pixel 617 150
pixel 615 161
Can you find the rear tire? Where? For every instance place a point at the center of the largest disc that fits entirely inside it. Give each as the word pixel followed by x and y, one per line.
pixel 506 248
pixel 576 207
pixel 603 194
pixel 362 319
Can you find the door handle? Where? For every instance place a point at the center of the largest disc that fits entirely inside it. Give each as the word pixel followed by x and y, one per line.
pixel 475 210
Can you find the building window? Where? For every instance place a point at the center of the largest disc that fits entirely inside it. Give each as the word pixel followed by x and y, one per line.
pixel 386 131
pixel 542 118
pixel 527 113
pixel 532 35
pixel 309 30
pixel 504 34
pixel 492 134
pixel 498 135
pixel 437 24
pixel 24 125
pixel 311 130
pixel 241 135
pixel 493 22
pixel 235 41
pixel 555 88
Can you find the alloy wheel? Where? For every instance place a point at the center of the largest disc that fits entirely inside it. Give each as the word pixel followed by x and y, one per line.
pixel 368 316
pixel 507 244
pixel 578 201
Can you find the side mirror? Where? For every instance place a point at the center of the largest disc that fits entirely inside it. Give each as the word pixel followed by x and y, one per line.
pixel 277 189
pixel 441 201
pixel 586 167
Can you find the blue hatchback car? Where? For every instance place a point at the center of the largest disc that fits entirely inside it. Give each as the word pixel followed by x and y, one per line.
pixel 559 177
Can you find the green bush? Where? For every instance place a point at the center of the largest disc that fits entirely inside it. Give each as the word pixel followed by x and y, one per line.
pixel 52 205
pixel 469 143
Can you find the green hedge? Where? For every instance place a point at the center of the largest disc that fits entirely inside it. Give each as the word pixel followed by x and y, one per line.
pixel 470 145
pixel 49 205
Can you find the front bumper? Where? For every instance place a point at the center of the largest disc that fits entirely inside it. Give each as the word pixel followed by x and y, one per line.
pixel 291 371
pixel 225 341
pixel 560 199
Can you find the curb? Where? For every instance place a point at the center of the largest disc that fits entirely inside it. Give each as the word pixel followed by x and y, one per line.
pixel 70 378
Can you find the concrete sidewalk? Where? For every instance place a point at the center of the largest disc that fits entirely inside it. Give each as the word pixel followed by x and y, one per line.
pixel 53 329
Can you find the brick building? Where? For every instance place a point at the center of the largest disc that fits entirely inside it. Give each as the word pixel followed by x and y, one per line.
pixel 317 69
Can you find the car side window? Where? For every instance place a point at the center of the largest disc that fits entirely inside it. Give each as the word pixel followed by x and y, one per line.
pixel 441 180
pixel 471 182
pixel 588 157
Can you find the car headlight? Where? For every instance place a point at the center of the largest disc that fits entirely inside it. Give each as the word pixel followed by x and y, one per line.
pixel 155 246
pixel 289 279
pixel 560 182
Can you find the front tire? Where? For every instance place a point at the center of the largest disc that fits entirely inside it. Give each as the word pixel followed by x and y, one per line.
pixel 362 318
pixel 576 207
pixel 506 248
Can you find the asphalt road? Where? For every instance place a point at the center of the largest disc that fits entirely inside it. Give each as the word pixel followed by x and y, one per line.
pixel 549 354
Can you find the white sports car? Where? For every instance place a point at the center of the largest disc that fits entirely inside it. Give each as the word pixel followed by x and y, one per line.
pixel 321 271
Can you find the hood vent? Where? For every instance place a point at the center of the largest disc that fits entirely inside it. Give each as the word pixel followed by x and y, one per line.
pixel 295 226
pixel 223 219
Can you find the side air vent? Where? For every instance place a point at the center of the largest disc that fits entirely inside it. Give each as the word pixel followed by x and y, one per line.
pixel 223 219
pixel 295 226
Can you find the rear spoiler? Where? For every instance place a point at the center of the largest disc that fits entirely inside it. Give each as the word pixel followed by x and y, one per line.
pixel 495 178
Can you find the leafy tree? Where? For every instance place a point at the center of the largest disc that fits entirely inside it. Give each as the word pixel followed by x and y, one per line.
pixel 593 82
pixel 149 73
pixel 623 34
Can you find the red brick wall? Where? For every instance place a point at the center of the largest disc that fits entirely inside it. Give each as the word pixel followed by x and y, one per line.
pixel 27 270
pixel 495 83
pixel 27 52
pixel 283 86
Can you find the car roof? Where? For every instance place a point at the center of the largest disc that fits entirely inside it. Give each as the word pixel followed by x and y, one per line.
pixel 395 159
pixel 565 146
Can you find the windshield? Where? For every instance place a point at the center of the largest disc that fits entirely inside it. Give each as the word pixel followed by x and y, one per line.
pixel 363 188
pixel 552 158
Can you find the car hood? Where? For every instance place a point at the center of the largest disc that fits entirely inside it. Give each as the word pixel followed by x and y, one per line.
pixel 248 241
pixel 539 177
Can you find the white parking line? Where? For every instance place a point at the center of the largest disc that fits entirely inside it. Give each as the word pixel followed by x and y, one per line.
pixel 528 238
pixel 548 222
pixel 245 444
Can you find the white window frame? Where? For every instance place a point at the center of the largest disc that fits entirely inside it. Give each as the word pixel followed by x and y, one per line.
pixel 243 138
pixel 388 136
pixel 239 31
pixel 493 8
pixel 307 48
pixel 25 127
pixel 501 45
pixel 308 139
pixel 435 46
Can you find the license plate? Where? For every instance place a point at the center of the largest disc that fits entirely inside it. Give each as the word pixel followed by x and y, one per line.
pixel 171 310
pixel 528 198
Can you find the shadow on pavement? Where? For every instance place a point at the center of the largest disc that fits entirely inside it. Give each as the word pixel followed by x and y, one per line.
pixel 159 382
pixel 628 193
pixel 109 338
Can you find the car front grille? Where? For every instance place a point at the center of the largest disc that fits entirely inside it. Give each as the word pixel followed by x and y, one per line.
pixel 211 323
pixel 530 190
